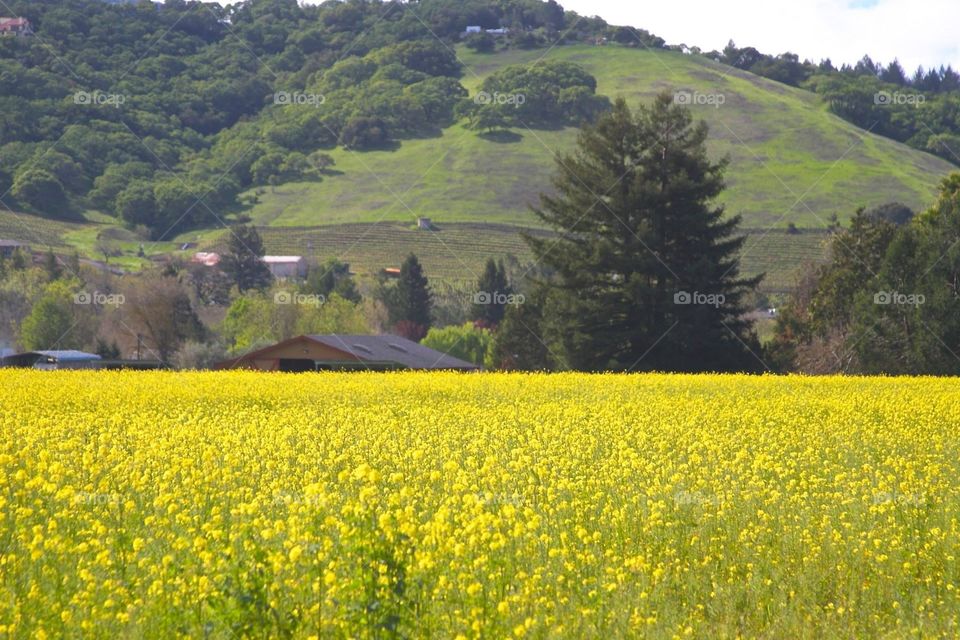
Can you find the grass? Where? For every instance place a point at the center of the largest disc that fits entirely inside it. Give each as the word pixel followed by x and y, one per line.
pixel 791 160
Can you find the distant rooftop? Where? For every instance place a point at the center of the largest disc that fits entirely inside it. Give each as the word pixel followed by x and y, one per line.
pixel 68 355
pixel 277 259
pixel 387 348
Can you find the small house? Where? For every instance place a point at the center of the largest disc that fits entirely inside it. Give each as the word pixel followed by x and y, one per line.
pixel 15 28
pixel 50 360
pixel 347 353
pixel 424 224
pixel 286 267
pixel 9 247
pixel 474 29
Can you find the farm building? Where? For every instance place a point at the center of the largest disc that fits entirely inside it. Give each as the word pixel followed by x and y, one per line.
pixel 52 360
pixel 347 353
pixel 9 247
pixel 284 267
pixel 69 359
pixel 15 27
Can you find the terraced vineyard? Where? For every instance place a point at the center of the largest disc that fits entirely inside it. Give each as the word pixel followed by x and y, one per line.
pixel 457 252
pixel 781 255
pixel 35 231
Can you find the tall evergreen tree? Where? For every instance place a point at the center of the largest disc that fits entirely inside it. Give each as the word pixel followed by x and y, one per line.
pixel 490 301
pixel 243 260
pixel 517 344
pixel 647 268
pixel 411 301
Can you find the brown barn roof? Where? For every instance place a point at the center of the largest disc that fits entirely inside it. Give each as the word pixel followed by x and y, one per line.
pixel 373 349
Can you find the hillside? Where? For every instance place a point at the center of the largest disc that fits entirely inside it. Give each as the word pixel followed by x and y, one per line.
pixel 792 163
pixel 791 160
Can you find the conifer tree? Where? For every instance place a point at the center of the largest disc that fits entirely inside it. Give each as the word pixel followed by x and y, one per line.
pixel 410 302
pixel 243 260
pixel 647 273
pixel 493 290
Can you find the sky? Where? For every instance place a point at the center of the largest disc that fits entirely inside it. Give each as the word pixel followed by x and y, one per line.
pixel 917 32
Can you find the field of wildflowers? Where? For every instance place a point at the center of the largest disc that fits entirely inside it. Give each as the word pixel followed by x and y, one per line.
pixel 233 505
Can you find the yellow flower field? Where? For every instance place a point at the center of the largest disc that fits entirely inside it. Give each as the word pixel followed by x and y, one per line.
pixel 234 505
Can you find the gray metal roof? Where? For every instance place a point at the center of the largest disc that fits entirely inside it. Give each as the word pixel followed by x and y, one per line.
pixel 67 355
pixel 394 349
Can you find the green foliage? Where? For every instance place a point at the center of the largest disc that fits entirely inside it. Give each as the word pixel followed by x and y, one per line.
pixel 136 204
pixel 517 343
pixel 545 94
pixel 493 293
pixel 331 277
pixel 255 320
pixel 122 111
pixel 467 342
pixel 243 260
pixel 409 301
pixel 481 43
pixel 40 190
pixel 52 322
pixel 887 301
pixel 630 268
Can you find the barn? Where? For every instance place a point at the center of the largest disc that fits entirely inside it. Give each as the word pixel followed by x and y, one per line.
pixel 49 360
pixel 347 353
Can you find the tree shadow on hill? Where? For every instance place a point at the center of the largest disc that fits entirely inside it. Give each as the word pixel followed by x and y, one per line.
pixel 387 145
pixel 501 136
pixel 426 133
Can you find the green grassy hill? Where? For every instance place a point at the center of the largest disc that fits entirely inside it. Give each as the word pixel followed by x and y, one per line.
pixel 791 160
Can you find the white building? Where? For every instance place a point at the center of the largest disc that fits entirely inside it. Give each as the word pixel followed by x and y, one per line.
pixel 284 267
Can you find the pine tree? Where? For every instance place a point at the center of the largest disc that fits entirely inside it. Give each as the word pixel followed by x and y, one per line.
pixel 647 267
pixel 410 301
pixel 243 260
pixel 493 289
pixel 517 344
